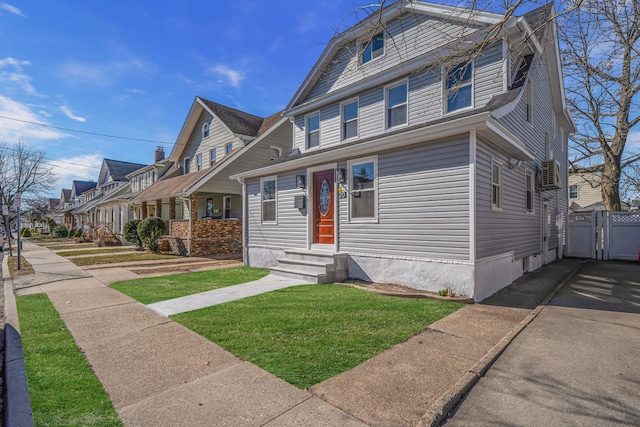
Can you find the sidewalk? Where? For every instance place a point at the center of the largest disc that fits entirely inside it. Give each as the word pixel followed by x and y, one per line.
pixel 157 372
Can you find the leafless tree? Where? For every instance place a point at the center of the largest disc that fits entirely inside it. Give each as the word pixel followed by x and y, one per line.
pixel 600 53
pixel 23 171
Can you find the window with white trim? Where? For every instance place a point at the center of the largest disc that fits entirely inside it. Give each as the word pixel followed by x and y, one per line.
pixel 459 89
pixel 269 190
pixel 363 188
pixel 186 163
pixel 529 188
pixel 573 192
pixel 496 185
pixel 199 162
pixel 372 49
pixel 349 118
pixel 396 103
pixel 212 156
pixel 205 130
pixel 228 148
pixel 313 130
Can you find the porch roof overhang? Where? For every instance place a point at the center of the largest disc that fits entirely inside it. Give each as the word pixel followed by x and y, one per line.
pixel 483 123
pixel 170 187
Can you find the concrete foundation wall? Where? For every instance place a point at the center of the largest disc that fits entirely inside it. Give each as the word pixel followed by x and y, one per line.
pixel 495 273
pixel 415 273
pixel 263 257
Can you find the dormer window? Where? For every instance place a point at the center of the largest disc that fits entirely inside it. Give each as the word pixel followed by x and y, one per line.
pixel 373 48
pixel 205 130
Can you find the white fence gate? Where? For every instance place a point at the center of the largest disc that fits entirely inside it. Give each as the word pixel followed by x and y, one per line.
pixel 604 235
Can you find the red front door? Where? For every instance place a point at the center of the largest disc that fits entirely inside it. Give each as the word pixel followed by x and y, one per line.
pixel 323 207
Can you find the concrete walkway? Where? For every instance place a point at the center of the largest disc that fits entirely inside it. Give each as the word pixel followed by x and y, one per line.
pixel 219 296
pixel 157 372
pixel 577 363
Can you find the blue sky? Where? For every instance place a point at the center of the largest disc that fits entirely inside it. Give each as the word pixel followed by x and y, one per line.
pixel 133 68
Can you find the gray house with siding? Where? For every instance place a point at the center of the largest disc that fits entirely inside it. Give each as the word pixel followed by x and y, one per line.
pixel 429 150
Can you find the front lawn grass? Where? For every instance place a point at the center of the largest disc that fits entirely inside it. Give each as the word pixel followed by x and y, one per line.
pixel 25 267
pixel 64 390
pixel 110 259
pixel 108 250
pixel 161 288
pixel 307 334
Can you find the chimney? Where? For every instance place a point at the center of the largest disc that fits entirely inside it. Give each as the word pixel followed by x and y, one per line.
pixel 158 155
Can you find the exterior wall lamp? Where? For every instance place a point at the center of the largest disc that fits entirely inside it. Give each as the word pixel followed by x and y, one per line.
pixel 301 181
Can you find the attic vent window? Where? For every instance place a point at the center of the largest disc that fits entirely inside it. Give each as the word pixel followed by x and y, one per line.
pixel 373 48
pixel 275 152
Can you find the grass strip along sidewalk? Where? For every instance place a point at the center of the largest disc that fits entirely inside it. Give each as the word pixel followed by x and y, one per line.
pixel 113 258
pixel 64 390
pixel 307 334
pixel 161 288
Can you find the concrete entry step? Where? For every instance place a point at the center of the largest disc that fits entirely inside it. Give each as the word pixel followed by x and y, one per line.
pixel 314 266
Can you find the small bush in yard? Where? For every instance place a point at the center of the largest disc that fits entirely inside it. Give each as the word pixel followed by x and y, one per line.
pixel 25 232
pixel 150 230
pixel 131 232
pixel 61 231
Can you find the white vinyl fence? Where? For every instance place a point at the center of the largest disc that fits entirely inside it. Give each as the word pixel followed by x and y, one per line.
pixel 604 235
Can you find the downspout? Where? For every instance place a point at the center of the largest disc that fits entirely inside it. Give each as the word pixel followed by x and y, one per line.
pixel 245 232
pixel 188 200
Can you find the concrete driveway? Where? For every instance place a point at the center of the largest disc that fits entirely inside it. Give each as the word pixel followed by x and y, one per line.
pixel 577 363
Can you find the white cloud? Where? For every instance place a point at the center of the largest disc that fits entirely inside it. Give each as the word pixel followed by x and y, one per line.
pixel 104 74
pixel 67 112
pixel 84 167
pixel 14 79
pixel 17 123
pixel 233 77
pixel 12 9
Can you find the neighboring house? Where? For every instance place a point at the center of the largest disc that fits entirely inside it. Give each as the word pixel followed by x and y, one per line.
pixel 201 205
pixel 101 207
pixel 77 197
pixel 62 213
pixel 417 163
pixel 145 177
pixel 585 194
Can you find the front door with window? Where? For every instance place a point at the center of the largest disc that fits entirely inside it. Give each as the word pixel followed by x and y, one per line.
pixel 323 209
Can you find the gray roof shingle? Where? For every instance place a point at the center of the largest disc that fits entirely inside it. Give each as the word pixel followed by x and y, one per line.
pixel 238 121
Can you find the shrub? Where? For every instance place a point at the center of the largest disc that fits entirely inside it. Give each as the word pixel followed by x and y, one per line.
pixel 150 230
pixel 131 232
pixel 25 232
pixel 78 233
pixel 61 231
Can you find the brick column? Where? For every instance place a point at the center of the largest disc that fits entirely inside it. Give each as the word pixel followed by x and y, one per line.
pixel 172 208
pixel 159 208
pixel 144 210
pixel 194 206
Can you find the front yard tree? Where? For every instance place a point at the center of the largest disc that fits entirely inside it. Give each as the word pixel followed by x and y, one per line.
pixel 23 171
pixel 150 230
pixel 600 53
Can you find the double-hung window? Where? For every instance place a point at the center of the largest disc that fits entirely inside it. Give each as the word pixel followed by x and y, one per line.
pixel 573 191
pixel 363 188
pixel 350 120
pixel 199 162
pixel 186 164
pixel 212 156
pixel 396 102
pixel 228 148
pixel 459 90
pixel 529 184
pixel 373 48
pixel 269 193
pixel 496 185
pixel 313 130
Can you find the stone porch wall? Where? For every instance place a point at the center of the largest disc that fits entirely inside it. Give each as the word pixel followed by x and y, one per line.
pixel 210 237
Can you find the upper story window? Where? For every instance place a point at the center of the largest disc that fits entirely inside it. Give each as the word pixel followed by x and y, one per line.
pixel 396 102
pixel 186 163
pixel 205 130
pixel 573 192
pixel 212 156
pixel 496 185
pixel 228 148
pixel 459 90
pixel 269 189
pixel 313 130
pixel 350 119
pixel 373 48
pixel 199 162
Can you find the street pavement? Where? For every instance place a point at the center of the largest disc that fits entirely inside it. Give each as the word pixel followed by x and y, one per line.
pixel 157 372
pixel 577 363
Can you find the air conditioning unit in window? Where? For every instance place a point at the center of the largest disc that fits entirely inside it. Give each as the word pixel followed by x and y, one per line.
pixel 550 175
